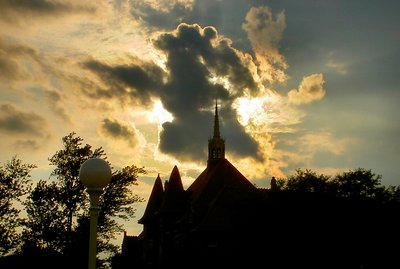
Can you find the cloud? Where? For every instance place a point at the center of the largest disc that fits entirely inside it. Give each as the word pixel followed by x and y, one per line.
pixel 265 33
pixel 117 130
pixel 15 10
pixel 200 66
pixel 15 122
pixel 339 67
pixel 318 149
pixel 54 100
pixel 137 81
pixel 11 57
pixel 9 69
pixel 28 144
pixel 323 141
pixel 311 88
pixel 195 56
pixel 164 14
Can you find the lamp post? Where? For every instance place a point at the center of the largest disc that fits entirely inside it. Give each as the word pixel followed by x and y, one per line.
pixel 95 174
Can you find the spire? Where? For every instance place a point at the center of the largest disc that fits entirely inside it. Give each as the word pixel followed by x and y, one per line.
pixel 216 145
pixel 175 181
pixel 154 203
pixel 174 198
pixel 216 121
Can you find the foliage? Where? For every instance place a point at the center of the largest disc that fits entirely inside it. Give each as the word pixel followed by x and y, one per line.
pixel 352 210
pixel 307 181
pixel 67 162
pixel 14 184
pixel 116 203
pixel 353 184
pixel 46 226
pixel 360 183
pixel 58 211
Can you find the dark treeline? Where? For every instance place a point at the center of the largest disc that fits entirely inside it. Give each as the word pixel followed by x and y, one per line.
pixel 309 220
pixel 46 225
pixel 349 220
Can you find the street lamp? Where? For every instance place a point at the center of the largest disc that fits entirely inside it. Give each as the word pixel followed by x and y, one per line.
pixel 95 174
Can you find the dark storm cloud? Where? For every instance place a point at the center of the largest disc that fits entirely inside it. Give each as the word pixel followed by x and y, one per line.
pixel 226 15
pixel 194 56
pixel 16 9
pixel 142 80
pixel 14 122
pixel 117 130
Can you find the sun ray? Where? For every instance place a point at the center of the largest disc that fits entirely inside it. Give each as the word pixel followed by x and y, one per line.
pixel 159 114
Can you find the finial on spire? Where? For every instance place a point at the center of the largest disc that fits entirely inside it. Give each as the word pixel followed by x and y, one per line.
pixel 216 145
pixel 216 120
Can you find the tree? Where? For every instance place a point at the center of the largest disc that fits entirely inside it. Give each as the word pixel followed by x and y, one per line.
pixel 46 226
pixel 307 181
pixel 117 203
pixel 58 211
pixel 346 220
pixel 14 184
pixel 353 184
pixel 358 183
pixel 71 190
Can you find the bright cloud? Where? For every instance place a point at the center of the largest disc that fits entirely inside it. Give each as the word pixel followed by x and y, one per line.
pixel 265 33
pixel 311 88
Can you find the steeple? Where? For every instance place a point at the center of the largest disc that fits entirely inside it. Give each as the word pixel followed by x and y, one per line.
pixel 175 181
pixel 216 121
pixel 154 203
pixel 216 145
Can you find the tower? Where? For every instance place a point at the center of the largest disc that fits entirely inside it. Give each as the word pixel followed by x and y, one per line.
pixel 216 145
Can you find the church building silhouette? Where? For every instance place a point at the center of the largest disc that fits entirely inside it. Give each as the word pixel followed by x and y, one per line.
pixel 206 224
pixel 223 220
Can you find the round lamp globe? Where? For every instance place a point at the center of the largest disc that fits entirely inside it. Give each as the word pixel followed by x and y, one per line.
pixel 95 173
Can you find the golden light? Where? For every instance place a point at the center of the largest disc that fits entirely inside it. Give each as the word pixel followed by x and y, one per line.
pixel 257 110
pixel 159 114
pixel 261 117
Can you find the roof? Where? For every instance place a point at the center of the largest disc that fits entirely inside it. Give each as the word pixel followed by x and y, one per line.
pixel 175 196
pixel 222 214
pixel 175 182
pixel 217 194
pixel 217 176
pixel 155 201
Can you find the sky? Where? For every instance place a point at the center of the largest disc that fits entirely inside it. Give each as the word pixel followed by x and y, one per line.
pixel 300 84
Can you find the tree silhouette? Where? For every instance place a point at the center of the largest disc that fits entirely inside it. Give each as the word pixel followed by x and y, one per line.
pixel 352 184
pixel 46 225
pixel 348 220
pixel 14 184
pixel 306 181
pixel 58 214
pixel 358 183
pixel 117 203
pixel 71 190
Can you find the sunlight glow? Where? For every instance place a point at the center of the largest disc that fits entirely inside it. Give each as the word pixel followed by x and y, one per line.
pixel 262 117
pixel 214 79
pixel 257 110
pixel 271 113
pixel 159 114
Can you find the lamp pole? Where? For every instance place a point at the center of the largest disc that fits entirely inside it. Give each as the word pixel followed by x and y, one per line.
pixel 95 174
